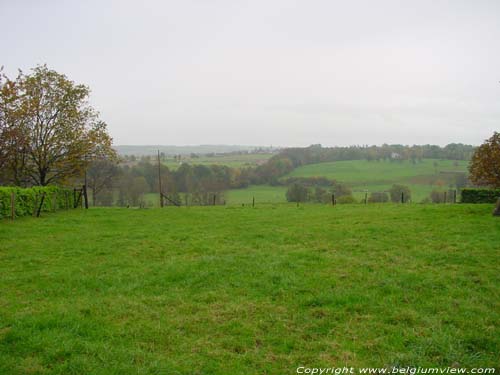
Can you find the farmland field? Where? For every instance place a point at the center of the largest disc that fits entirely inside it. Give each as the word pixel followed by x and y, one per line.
pixel 372 176
pixel 362 176
pixel 262 193
pixel 236 290
pixel 230 160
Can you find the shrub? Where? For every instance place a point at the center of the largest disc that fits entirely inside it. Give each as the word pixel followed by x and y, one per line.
pixel 437 196
pixel 297 193
pixel 340 189
pixel 480 195
pixel 346 199
pixel 378 197
pixel 321 195
pixel 396 191
pixel 27 200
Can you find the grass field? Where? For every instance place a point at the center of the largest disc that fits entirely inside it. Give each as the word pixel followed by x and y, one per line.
pixel 262 194
pixel 231 160
pixel 373 176
pixel 220 290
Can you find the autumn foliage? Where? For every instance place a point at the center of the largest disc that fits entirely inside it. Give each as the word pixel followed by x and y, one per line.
pixel 485 163
pixel 48 130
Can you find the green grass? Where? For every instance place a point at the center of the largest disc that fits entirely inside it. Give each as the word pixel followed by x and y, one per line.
pixel 232 290
pixel 262 194
pixel 362 175
pixel 230 160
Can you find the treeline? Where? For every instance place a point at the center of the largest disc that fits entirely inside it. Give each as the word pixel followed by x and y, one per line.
pixel 125 185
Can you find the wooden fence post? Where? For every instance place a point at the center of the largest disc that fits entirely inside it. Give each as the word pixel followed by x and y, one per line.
pixel 253 202
pixel 445 197
pixel 333 199
pixel 454 196
pixel 214 199
pixel 402 197
pixel 12 205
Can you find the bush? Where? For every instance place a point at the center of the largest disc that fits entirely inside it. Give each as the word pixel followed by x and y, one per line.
pixel 28 200
pixel 340 190
pixel 437 196
pixel 297 193
pixel 320 195
pixel 378 197
pixel 397 190
pixel 480 195
pixel 346 199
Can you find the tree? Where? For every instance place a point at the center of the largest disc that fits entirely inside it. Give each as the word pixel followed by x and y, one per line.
pixel 54 131
pixel 100 176
pixel 12 141
pixel 484 167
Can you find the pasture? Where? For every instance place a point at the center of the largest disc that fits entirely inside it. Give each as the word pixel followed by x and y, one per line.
pixel 362 175
pixel 262 193
pixel 230 160
pixel 236 290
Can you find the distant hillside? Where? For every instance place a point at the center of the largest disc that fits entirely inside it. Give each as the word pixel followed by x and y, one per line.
pixel 184 150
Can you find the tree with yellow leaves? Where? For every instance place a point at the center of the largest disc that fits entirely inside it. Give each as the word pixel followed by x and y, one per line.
pixel 484 167
pixel 48 130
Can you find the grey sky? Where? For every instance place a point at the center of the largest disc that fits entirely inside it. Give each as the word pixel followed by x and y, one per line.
pixel 278 72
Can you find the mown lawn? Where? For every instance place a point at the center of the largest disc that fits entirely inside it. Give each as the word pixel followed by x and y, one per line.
pixel 233 290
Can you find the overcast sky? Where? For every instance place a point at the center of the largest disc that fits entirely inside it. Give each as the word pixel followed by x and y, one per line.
pixel 273 72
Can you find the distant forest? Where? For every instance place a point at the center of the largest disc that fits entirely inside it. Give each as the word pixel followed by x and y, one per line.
pixel 126 182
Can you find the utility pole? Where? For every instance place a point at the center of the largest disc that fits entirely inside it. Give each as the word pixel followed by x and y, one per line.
pixel 84 190
pixel 159 180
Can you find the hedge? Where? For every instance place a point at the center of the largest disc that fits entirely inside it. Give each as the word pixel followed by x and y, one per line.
pixel 28 200
pixel 480 195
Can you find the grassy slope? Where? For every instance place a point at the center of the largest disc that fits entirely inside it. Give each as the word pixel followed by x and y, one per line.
pixel 234 161
pixel 362 175
pixel 378 176
pixel 214 290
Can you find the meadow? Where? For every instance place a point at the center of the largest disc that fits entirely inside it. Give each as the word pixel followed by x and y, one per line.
pixel 236 290
pixel 230 160
pixel 372 176
pixel 261 193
